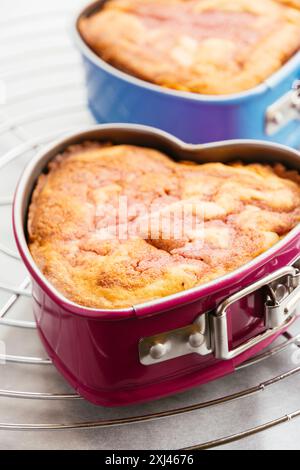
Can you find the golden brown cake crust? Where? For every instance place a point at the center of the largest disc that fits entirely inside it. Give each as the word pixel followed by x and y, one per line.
pixel 245 209
pixel 203 46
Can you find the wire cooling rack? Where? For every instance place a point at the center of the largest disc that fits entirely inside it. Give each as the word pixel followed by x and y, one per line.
pixel 43 97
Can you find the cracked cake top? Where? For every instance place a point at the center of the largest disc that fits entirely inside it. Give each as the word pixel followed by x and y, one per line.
pixel 113 226
pixel 203 46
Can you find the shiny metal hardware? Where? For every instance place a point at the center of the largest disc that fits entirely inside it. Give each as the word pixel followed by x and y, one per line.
pixel 209 333
pixel 283 298
pixel 194 338
pixel 283 111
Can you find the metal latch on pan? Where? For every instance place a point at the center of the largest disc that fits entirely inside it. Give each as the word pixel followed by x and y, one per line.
pixel 209 333
pixel 283 111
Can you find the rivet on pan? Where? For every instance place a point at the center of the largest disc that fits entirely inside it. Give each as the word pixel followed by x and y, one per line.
pixel 158 350
pixel 276 117
pixel 295 101
pixel 196 340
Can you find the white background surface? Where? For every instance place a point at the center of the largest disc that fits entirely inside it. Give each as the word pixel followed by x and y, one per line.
pixel 42 70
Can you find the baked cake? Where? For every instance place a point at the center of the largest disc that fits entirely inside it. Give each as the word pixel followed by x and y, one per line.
pixel 202 46
pixel 105 222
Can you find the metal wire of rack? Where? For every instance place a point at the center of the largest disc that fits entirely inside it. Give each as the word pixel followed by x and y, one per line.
pixel 15 125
